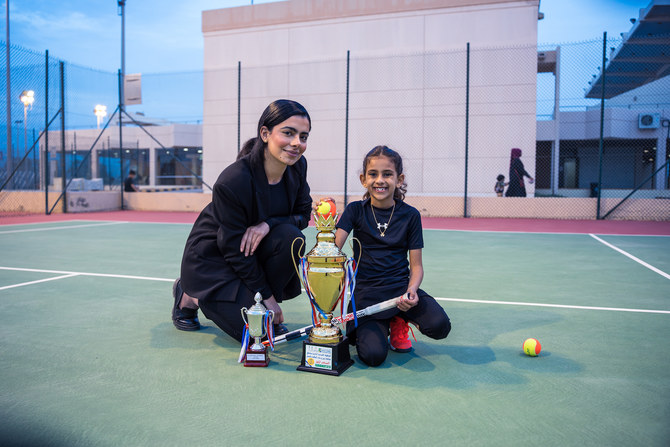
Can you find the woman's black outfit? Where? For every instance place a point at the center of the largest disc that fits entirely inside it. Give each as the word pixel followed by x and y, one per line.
pixel 213 268
pixel 516 187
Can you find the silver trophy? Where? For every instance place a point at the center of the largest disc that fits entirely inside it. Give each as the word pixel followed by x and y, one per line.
pixel 257 353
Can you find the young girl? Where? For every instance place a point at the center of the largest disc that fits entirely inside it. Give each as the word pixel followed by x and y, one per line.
pixel 499 188
pixel 388 229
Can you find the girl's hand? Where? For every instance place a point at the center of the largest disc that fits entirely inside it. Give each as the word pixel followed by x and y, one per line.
pixel 273 305
pixel 408 300
pixel 252 237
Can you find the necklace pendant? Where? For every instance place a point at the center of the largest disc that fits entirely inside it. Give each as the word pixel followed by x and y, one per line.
pixel 385 226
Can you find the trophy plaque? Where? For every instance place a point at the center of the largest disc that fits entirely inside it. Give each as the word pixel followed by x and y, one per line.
pixel 257 318
pixel 323 272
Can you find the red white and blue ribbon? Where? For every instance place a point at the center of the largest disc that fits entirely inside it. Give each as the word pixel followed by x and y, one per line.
pixel 269 328
pixel 245 343
pixel 350 286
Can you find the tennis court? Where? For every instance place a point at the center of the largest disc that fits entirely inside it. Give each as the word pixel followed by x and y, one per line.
pixel 89 356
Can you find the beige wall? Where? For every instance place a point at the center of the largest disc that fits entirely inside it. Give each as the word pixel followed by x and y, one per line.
pixel 483 207
pixel 413 101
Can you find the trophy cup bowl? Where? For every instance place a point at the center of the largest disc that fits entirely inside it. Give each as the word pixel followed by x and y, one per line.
pixel 257 353
pixel 325 273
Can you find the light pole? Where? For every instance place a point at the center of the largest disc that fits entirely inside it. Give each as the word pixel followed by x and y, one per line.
pixel 100 112
pixel 10 155
pixel 27 97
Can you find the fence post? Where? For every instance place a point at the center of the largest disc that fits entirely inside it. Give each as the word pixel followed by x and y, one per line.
pixel 467 126
pixel 10 152
pixel 121 110
pixel 602 126
pixel 46 134
pixel 346 134
pixel 62 133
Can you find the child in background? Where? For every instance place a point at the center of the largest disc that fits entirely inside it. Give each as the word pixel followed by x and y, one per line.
pixel 388 229
pixel 500 185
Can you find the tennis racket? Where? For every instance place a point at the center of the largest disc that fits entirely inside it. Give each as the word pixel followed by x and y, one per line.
pixel 370 310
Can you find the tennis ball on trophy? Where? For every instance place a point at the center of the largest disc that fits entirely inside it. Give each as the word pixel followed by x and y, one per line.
pixel 326 208
pixel 532 347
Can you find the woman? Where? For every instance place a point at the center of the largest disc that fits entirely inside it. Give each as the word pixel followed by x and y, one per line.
pixel 241 242
pixel 517 172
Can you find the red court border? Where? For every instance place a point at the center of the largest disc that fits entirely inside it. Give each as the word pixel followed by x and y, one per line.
pixel 624 227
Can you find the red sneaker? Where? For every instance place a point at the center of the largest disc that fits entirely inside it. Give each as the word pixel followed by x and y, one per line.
pixel 399 337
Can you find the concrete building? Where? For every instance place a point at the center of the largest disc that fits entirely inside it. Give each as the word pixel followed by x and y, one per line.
pixel 407 70
pixel 164 157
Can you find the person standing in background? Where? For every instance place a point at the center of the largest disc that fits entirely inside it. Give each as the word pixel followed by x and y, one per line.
pixel 516 187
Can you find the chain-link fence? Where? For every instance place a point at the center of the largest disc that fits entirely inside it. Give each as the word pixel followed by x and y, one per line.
pixel 455 116
pixel 65 136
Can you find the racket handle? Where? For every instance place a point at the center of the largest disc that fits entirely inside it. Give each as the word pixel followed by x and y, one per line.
pixel 297 334
pixel 379 307
pixel 370 310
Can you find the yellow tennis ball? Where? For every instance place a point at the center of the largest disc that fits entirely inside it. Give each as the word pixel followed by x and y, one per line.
pixel 532 347
pixel 326 208
pixel 323 208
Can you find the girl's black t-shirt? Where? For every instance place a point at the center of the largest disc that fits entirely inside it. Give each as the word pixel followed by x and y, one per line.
pixel 383 269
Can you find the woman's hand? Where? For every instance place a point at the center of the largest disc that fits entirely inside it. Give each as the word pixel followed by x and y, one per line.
pixel 408 300
pixel 273 305
pixel 253 237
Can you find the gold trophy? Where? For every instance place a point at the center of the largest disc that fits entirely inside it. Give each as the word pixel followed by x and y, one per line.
pixel 323 273
pixel 257 353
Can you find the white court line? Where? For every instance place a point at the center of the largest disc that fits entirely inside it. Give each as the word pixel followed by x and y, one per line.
pixel 640 261
pixel 105 275
pixel 62 228
pixel 560 306
pixel 38 281
pixel 507 303
pixel 3 225
pixel 550 233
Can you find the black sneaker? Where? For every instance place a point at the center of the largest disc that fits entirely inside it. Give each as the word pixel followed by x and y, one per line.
pixel 183 319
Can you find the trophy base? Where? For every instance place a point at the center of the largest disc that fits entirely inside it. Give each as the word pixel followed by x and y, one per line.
pixel 257 358
pixel 332 359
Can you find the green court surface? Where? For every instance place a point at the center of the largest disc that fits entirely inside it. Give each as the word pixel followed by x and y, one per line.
pixel 89 355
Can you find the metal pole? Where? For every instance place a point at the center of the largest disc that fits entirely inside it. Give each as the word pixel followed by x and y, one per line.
pixel 122 77
pixel 36 163
pixel 9 94
pixel 467 127
pixel 121 134
pixel 62 133
pixel 602 126
pixel 346 133
pixel 46 134
pixel 556 149
pixel 25 129
pixel 122 5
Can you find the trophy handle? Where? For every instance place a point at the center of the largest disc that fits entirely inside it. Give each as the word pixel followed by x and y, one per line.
pixel 295 264
pixel 242 311
pixel 360 249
